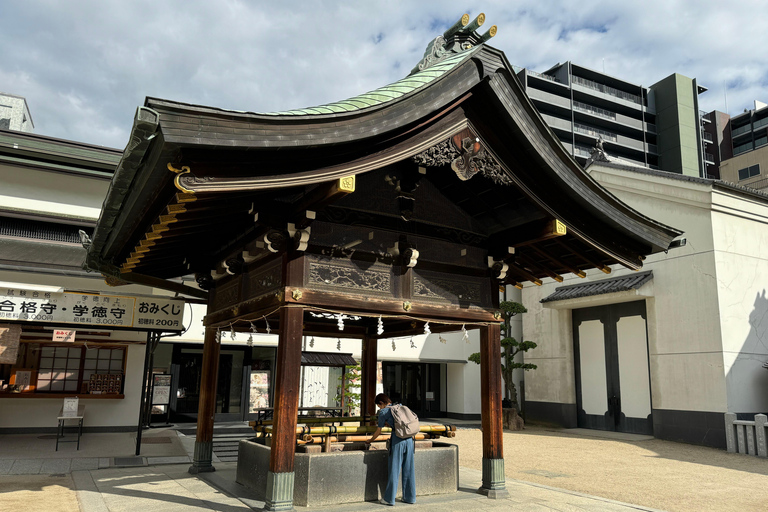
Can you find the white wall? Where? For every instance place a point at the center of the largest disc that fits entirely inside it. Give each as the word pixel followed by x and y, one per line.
pixel 684 332
pixel 60 195
pixel 42 412
pixel 463 393
pixel 740 228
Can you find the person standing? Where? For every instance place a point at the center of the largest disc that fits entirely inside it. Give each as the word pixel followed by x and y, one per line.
pixel 400 455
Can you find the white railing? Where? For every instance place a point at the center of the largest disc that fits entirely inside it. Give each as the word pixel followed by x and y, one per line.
pixel 589 109
pixel 595 132
pixel 747 437
pixel 542 75
pixel 607 90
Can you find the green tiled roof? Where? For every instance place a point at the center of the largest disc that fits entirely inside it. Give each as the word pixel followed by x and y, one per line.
pixel 386 93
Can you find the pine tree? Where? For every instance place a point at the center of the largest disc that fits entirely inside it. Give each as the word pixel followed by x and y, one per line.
pixel 510 347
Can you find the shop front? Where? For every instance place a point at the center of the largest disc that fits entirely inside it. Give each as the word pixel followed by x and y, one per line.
pixel 57 344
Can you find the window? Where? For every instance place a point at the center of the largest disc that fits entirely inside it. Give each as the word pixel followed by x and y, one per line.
pixel 69 369
pixel 749 172
pixel 59 369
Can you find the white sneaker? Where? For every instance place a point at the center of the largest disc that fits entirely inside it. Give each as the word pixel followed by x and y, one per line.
pixel 385 502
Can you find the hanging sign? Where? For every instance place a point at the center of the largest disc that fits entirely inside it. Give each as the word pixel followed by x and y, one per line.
pixel 62 335
pixel 91 309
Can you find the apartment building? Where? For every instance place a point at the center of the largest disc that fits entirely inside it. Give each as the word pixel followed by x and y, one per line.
pixel 656 126
pixel 14 113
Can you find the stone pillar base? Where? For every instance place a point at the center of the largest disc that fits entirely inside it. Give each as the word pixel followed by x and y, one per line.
pixel 202 461
pixel 279 495
pixel 494 483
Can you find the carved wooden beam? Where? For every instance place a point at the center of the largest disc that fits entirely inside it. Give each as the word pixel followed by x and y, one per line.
pixel 570 268
pixel 527 234
pixel 514 268
pixel 535 266
pixel 580 254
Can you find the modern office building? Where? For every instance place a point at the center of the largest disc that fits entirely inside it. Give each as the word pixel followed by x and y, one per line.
pixel 14 113
pixel 657 126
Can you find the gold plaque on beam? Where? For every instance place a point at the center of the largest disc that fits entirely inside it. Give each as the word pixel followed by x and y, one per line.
pixel 558 228
pixel 347 184
pixel 140 249
pixel 147 243
pixel 160 228
pixel 154 236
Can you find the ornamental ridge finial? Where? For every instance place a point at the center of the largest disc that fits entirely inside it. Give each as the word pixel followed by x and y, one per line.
pixel 460 37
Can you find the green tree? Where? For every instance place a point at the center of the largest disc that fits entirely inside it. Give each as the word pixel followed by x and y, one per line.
pixel 350 380
pixel 510 347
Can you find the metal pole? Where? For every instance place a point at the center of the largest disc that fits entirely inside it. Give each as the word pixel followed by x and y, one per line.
pixel 150 336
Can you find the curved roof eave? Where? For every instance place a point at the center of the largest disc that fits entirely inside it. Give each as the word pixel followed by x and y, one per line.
pixel 361 103
pixel 559 164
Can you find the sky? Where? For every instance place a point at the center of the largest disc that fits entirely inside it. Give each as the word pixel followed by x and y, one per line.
pixel 84 66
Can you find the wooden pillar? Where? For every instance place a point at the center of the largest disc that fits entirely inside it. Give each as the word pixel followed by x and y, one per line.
pixel 494 485
pixel 206 408
pixel 279 495
pixel 369 371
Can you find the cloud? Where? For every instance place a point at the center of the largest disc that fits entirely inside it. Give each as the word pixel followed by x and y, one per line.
pixel 84 66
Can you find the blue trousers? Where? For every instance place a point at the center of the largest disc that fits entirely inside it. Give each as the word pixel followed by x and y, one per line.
pixel 401 457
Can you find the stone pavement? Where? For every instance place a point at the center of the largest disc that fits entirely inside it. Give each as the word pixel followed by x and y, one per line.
pixel 158 480
pixel 171 489
pixel 31 454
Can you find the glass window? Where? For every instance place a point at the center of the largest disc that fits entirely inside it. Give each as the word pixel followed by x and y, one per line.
pixel 67 369
pixel 749 172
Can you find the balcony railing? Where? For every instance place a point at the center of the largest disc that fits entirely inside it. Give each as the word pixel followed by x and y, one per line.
pixel 542 75
pixel 704 116
pixel 650 127
pixel 741 129
pixel 595 132
pixel 607 90
pixel 652 148
pixel 743 148
pixel 589 109
pixel 709 158
pixel 707 136
pixel 582 151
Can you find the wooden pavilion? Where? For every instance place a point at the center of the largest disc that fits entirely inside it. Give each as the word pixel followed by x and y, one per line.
pixel 406 206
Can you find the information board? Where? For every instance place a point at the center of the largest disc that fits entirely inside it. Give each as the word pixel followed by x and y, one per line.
pixel 161 389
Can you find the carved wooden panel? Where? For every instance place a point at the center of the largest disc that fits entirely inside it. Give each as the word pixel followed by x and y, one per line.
pixel 348 276
pixel 226 293
pixel 443 288
pixel 263 280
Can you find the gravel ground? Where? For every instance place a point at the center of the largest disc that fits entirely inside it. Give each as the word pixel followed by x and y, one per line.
pixel 658 474
pixel 33 493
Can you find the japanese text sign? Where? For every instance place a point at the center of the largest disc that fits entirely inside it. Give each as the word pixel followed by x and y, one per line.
pixel 91 309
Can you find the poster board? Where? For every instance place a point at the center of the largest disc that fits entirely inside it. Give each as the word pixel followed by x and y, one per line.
pixel 70 408
pixel 161 389
pixel 24 379
pixel 259 390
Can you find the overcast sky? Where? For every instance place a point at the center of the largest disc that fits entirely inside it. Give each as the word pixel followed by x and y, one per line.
pixel 84 66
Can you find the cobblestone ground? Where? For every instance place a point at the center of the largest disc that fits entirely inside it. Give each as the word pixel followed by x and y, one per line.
pixel 653 473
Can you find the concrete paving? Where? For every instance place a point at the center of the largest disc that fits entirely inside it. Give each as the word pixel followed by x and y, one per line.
pixel 30 454
pixel 171 488
pixel 547 469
